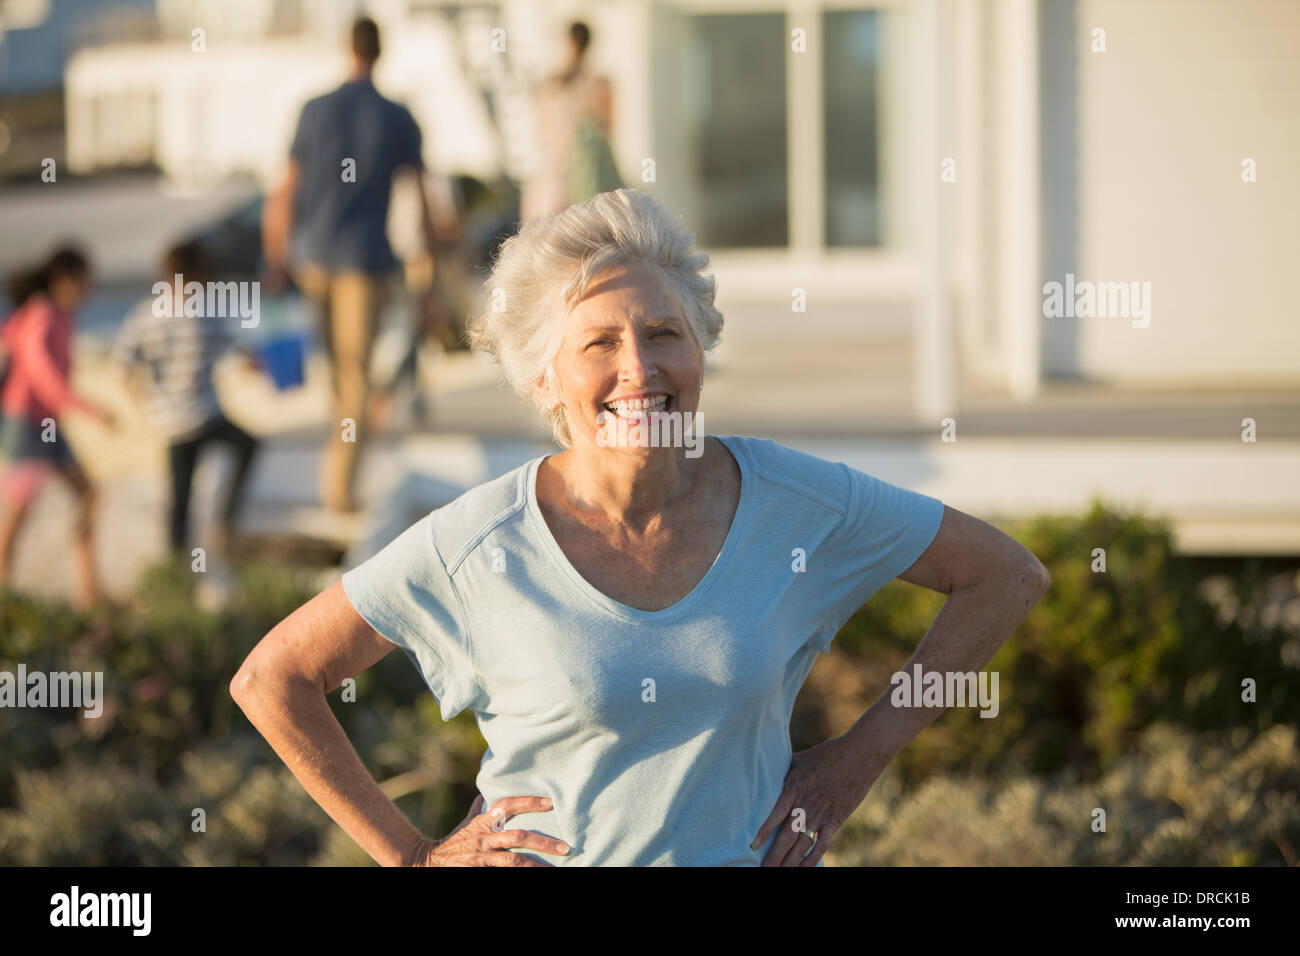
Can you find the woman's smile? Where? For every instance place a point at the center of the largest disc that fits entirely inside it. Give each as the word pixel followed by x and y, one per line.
pixel 640 406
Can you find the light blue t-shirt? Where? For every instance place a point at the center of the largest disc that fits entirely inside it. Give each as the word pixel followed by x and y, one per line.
pixel 661 737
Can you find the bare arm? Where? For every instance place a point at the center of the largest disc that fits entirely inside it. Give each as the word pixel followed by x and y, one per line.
pixel 428 226
pixel 419 271
pixel 277 221
pixel 605 107
pixel 993 582
pixel 281 687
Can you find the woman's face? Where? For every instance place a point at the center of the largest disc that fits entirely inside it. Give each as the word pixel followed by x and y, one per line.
pixel 627 338
pixel 69 290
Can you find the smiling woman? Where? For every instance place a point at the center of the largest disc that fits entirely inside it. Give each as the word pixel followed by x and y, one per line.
pixel 630 625
pixel 649 273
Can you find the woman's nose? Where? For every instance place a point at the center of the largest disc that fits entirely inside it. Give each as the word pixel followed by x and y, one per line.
pixel 633 363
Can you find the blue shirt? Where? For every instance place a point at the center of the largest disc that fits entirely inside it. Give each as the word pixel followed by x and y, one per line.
pixel 340 207
pixel 681 771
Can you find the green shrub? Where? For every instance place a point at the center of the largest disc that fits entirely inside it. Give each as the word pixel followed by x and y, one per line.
pixel 171 738
pixel 1214 799
pixel 1116 686
pixel 1102 656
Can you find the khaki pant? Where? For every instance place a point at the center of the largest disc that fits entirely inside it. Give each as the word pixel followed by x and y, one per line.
pixel 350 305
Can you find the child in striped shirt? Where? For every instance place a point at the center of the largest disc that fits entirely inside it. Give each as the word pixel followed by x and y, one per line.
pixel 172 357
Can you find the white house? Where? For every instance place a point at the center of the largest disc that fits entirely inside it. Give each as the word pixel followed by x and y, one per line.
pixel 927 165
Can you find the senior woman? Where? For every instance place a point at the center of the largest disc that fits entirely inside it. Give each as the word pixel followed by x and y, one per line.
pixel 630 620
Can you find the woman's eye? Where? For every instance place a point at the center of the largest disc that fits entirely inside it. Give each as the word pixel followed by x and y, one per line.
pixel 610 341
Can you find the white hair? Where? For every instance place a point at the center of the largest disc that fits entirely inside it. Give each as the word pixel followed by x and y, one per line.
pixel 551 261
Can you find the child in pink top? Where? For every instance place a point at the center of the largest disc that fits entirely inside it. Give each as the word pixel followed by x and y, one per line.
pixel 37 340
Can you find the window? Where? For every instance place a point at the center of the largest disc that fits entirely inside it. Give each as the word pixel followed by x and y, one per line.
pixel 735 84
pixel 850 74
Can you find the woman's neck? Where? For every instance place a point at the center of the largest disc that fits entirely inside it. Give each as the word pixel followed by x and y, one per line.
pixel 628 488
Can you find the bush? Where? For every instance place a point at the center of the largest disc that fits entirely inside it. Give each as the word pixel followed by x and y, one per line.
pixel 1182 800
pixel 1116 686
pixel 1101 657
pixel 120 789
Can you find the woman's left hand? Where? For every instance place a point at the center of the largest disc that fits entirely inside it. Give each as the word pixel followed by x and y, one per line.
pixel 827 782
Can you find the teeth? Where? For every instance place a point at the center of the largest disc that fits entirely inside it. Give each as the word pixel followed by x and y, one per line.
pixel 639 404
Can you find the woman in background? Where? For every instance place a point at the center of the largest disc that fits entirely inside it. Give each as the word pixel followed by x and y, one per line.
pixel 36 395
pixel 575 114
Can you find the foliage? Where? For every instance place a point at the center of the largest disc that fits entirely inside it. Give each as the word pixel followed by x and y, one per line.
pixel 1122 690
pixel 1102 656
pixel 120 789
pixel 1179 800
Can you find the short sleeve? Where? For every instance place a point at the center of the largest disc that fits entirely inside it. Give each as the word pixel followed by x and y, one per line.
pixel 301 146
pixel 886 529
pixel 412 149
pixel 405 593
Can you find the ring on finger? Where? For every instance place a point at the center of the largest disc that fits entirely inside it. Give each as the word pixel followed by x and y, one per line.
pixel 810 834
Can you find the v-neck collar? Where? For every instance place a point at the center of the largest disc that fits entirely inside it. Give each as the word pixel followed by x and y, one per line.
pixel 739 522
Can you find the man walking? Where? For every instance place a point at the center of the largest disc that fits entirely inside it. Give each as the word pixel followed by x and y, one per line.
pixel 327 222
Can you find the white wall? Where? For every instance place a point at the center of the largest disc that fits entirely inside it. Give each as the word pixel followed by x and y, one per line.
pixel 1185 90
pixel 206 115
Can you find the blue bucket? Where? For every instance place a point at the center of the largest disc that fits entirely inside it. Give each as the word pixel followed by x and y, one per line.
pixel 283 357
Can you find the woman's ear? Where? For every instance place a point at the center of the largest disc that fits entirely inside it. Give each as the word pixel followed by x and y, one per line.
pixel 543 394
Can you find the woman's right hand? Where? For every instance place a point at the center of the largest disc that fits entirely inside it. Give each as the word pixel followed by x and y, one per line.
pixel 480 840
